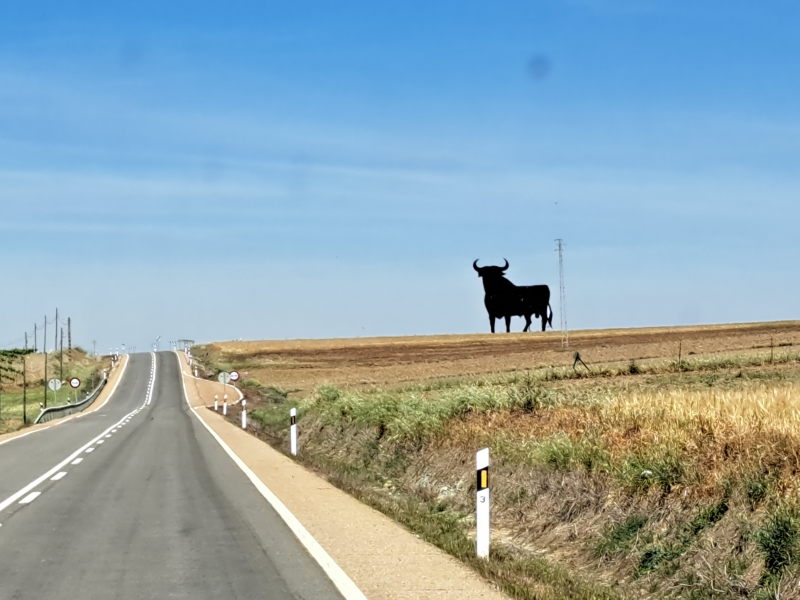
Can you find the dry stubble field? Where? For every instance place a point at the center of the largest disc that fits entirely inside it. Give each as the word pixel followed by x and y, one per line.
pixel 300 366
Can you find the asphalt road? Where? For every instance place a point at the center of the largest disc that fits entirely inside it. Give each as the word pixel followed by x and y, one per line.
pixel 154 510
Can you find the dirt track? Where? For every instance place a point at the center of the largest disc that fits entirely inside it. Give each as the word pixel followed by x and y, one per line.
pixel 302 365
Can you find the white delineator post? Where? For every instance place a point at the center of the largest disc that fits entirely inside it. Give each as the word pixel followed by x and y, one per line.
pixel 482 510
pixel 293 431
pixel 216 403
pixel 225 405
pixel 244 414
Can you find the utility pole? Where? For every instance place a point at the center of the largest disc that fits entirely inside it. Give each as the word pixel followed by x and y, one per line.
pixel 562 294
pixel 35 344
pixel 26 340
pixel 55 341
pixel 25 385
pixel 44 346
pixel 61 357
pixel 94 347
pixel 69 335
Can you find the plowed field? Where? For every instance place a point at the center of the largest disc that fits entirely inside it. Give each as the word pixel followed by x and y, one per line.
pixel 299 366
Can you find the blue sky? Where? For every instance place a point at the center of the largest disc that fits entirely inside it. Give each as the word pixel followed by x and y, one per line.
pixel 313 169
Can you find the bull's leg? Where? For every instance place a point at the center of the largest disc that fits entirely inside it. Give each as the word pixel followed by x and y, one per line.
pixel 491 323
pixel 508 323
pixel 544 321
pixel 527 322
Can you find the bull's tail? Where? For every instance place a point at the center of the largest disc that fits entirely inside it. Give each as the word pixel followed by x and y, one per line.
pixel 550 317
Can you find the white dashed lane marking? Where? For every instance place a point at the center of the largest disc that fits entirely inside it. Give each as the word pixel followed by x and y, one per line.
pixel 30 497
pixel 55 475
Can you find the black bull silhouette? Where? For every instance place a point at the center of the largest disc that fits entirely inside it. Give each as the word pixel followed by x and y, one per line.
pixel 505 300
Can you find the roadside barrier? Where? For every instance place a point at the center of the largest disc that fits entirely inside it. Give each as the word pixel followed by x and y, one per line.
pixel 56 412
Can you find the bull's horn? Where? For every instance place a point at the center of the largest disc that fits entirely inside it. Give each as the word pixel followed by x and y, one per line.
pixel 475 265
pixel 506 267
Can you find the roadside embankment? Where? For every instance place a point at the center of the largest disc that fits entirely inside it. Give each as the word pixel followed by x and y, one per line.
pixel 648 479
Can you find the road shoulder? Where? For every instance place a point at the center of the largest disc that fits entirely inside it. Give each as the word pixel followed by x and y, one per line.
pixel 385 561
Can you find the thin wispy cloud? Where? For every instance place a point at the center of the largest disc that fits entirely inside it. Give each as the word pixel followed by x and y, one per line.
pixel 376 153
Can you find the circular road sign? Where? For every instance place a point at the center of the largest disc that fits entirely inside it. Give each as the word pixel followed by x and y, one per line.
pixel 54 384
pixel 234 375
pixel 224 377
pixel 74 383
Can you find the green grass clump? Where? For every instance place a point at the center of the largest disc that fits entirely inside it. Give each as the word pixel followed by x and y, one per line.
pixel 654 556
pixel 778 540
pixel 654 466
pixel 410 417
pixel 618 537
pixel 563 453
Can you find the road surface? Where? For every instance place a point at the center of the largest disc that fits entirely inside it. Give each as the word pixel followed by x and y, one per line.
pixel 137 500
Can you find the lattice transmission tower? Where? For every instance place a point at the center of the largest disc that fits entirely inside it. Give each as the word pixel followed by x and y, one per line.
pixel 562 296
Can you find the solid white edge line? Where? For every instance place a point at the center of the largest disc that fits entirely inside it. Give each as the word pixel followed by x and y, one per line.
pixel 77 416
pixel 18 494
pixel 335 573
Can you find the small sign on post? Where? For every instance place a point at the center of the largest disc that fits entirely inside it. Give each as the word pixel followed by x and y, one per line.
pixel 293 431
pixel 55 385
pixel 482 510
pixel 75 383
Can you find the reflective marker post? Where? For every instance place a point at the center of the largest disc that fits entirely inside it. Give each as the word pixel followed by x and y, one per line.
pixel 293 431
pixel 216 403
pixel 482 511
pixel 244 414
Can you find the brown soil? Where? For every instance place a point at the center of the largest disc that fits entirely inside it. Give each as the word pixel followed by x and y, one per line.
pixel 302 365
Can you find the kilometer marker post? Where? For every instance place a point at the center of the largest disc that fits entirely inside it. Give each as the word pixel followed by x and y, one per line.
pixel 482 504
pixel 293 431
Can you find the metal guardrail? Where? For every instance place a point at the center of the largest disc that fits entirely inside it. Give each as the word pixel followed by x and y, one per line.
pixel 56 412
